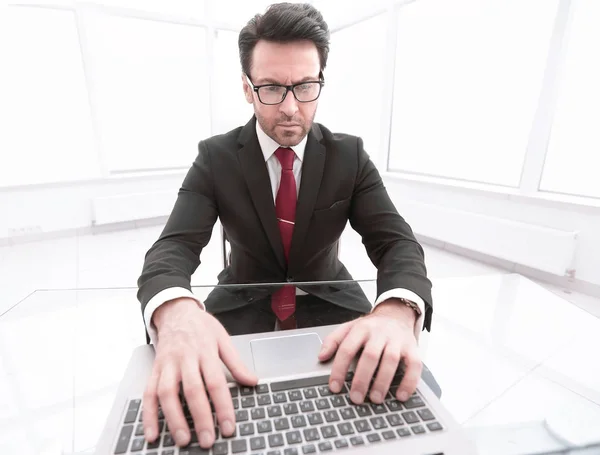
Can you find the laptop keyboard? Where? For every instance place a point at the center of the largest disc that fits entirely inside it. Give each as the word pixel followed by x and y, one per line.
pixel 294 417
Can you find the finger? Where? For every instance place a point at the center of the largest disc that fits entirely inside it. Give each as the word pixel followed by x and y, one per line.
pixel 412 373
pixel 197 401
pixel 346 353
pixel 333 340
pixel 218 390
pixel 150 407
pixel 385 374
pixel 233 362
pixel 168 394
pixel 367 364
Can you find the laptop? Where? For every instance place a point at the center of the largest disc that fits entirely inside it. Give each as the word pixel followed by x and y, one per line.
pixel 291 411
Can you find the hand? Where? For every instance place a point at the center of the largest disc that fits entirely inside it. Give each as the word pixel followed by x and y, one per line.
pixel 191 343
pixel 387 337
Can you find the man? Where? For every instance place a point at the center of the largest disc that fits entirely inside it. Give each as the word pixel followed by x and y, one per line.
pixel 283 189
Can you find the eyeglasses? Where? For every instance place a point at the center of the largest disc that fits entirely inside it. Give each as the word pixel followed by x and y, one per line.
pixel 304 92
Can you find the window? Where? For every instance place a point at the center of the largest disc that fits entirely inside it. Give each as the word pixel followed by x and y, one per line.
pixel 574 148
pixel 351 100
pixel 467 81
pixel 150 91
pixel 46 130
pixel 180 8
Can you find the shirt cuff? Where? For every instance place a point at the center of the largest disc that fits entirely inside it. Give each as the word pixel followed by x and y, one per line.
pixel 164 296
pixel 400 293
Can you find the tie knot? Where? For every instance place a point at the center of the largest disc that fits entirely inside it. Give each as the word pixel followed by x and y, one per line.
pixel 285 156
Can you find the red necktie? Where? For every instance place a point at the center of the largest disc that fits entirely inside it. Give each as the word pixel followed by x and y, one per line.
pixel 283 302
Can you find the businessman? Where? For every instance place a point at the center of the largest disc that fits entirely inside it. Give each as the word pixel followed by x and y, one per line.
pixel 283 188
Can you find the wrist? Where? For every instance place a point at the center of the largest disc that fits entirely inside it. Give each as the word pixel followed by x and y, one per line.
pixel 164 313
pixel 397 309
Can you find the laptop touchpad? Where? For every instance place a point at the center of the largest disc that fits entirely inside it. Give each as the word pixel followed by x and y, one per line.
pixel 287 355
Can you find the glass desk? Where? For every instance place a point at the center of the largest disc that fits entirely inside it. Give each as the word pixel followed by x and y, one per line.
pixel 506 352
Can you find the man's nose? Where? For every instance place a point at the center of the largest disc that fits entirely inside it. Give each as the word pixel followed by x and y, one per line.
pixel 289 106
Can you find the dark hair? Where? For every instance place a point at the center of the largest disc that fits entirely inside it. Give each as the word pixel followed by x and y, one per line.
pixel 284 23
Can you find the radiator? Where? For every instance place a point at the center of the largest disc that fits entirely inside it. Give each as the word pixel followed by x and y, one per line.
pixel 130 207
pixel 542 248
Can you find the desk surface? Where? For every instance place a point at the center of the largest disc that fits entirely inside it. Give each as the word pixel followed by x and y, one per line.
pixel 506 352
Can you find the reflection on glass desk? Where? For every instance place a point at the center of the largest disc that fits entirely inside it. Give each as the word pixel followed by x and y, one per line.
pixel 507 353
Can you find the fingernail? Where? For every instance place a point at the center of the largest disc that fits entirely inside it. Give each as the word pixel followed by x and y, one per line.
pixel 335 386
pixel 356 397
pixel 205 439
pixel 181 437
pixel 403 396
pixel 228 427
pixel 376 397
pixel 149 434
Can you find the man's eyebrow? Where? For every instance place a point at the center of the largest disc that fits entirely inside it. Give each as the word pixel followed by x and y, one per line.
pixel 268 80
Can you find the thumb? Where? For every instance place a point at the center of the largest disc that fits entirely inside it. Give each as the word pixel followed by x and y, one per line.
pixel 234 363
pixel 333 341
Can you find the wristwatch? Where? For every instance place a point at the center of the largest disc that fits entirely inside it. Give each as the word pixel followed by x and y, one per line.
pixel 412 305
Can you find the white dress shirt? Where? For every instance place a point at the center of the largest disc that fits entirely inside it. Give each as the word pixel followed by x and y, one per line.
pixel 268 147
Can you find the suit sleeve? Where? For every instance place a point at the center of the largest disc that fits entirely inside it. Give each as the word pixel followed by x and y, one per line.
pixel 175 256
pixel 388 239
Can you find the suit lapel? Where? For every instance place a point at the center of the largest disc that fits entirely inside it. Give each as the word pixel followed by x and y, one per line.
pixel 256 175
pixel 312 173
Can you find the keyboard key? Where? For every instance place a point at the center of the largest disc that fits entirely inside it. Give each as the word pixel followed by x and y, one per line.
pixel 414 402
pixel 241 415
pixel 363 410
pixel 275 440
pixel 315 418
pixel 348 413
pixel 293 437
pixel 341 443
pixel 387 435
pixel 139 430
pixel 290 451
pixel 282 424
pixel 328 431
pixel 345 428
pixel 290 408
pixel 257 413
pixel 307 406
pixel 246 429
pixel 349 376
pixel 434 426
pixel 274 452
pixel 134 405
pixel 264 400
pixel 394 420
pixel 331 416
pixel 378 423
pixel 362 426
pixel 238 446
pixel 378 408
pixel 373 437
pixel 337 401
pixel 298 421
pixel 234 391
pixel 124 437
pixel 394 405
pixel 299 383
pixel 357 440
pixel 274 411
pixel 221 448
pixel 197 450
pixel 279 398
pixel 324 391
pixel 264 426
pixel 311 434
pixel 262 388
pixel 130 416
pixel 160 414
pixel 425 414
pixel 137 445
pixel 295 395
pixel 325 446
pixel 245 390
pixel 153 445
pixel 236 403
pixel 257 443
pixel 322 403
pixel 248 402
pixel 309 448
pixel 168 452
pixel 403 432
pixel 418 429
pixel 310 393
pixel 410 417
pixel 168 441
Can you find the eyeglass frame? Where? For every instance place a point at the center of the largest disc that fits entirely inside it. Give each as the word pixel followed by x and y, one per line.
pixel 288 88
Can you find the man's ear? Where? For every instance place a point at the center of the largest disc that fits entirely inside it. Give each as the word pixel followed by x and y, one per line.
pixel 247 89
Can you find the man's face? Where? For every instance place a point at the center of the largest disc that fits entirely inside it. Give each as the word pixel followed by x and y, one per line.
pixel 283 63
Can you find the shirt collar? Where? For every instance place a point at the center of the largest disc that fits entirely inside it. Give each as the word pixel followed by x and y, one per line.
pixel 269 146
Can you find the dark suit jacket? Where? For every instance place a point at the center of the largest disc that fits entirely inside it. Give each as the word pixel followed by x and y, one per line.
pixel 229 180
